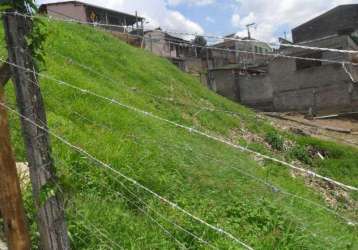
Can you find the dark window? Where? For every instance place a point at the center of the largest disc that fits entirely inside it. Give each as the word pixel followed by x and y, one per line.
pixel 305 64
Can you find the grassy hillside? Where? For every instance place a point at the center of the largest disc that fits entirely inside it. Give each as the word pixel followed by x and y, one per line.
pixel 218 183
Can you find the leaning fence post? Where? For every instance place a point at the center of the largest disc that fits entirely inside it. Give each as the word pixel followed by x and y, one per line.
pixel 11 205
pixel 49 206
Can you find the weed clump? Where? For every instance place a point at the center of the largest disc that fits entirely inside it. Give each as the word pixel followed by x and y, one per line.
pixel 275 140
pixel 300 153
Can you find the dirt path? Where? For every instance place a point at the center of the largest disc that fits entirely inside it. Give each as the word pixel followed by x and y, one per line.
pixel 342 129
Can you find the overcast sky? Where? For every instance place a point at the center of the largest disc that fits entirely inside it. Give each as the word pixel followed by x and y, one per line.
pixel 273 17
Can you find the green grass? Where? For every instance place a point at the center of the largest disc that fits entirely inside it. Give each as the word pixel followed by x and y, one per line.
pixel 207 178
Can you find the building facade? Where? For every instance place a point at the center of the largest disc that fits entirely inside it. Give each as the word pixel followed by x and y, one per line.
pixel 323 87
pixel 177 50
pixel 237 69
pixel 319 86
pixel 88 13
pixel 239 51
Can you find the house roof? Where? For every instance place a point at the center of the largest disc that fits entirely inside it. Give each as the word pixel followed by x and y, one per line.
pixel 132 19
pixel 169 37
pixel 327 13
pixel 341 19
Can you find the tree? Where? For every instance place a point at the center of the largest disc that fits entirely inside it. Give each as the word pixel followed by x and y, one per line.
pixel 199 41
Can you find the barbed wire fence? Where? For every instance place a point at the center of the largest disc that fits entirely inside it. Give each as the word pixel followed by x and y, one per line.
pixel 168 226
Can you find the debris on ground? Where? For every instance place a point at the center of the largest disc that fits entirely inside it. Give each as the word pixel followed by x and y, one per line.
pixel 343 129
pixel 334 196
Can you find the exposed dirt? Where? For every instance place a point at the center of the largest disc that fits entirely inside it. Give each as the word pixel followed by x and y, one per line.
pixel 340 129
pixel 337 198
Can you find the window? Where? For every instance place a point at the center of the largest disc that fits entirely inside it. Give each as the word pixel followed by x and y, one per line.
pixel 305 64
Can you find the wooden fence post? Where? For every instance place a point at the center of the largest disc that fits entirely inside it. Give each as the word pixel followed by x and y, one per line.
pixel 11 205
pixel 50 210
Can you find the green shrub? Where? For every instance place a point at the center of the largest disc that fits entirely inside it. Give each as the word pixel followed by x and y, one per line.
pixel 275 140
pixel 300 153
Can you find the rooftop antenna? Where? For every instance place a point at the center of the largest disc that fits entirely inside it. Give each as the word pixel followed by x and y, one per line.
pixel 248 26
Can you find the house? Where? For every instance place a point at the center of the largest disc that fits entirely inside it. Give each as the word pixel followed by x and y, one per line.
pixel 297 84
pixel 179 51
pixel 237 69
pixel 323 87
pixel 229 52
pixel 248 86
pixel 88 13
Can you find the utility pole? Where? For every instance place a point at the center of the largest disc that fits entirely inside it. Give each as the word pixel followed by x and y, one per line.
pixel 11 205
pixel 136 21
pixel 50 211
pixel 248 26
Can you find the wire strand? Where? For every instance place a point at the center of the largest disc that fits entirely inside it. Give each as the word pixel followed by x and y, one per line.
pixel 189 129
pixel 274 55
pixel 107 166
pixel 72 19
pixel 243 172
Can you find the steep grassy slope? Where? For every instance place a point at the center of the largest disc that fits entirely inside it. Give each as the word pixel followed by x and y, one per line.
pixel 213 181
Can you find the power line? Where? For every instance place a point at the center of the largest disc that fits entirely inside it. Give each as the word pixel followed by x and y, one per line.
pixel 268 43
pixel 73 19
pixel 273 55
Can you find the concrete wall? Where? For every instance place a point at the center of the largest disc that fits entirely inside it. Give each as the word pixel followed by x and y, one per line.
pixel 337 96
pixel 256 92
pixel 325 89
pixel 252 90
pixel 220 58
pixel 194 65
pixel 67 10
pixel 184 57
pixel 155 42
pixel 225 83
